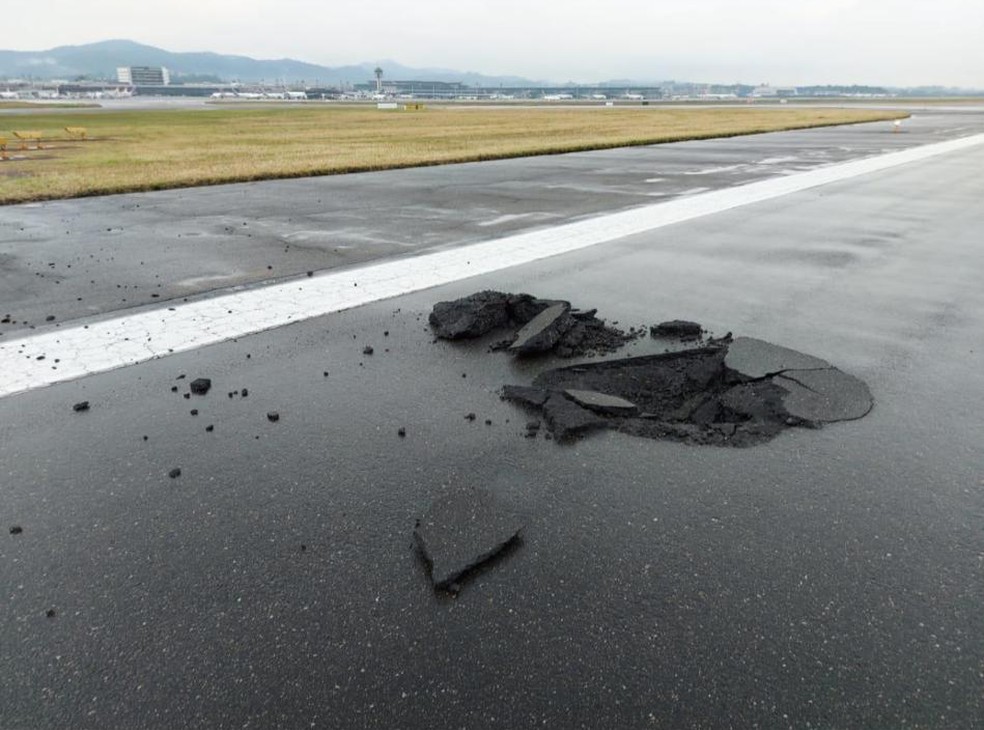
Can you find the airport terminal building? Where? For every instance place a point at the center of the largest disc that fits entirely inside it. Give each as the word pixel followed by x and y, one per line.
pixel 143 75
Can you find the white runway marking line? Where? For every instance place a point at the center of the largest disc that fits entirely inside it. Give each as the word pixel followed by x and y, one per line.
pixel 146 335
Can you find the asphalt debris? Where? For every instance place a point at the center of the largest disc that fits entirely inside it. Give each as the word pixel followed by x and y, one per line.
pixel 727 392
pixel 568 420
pixel 544 331
pixel 471 316
pixel 539 325
pixel 174 473
pixel 525 395
pixel 679 328
pixel 461 532
pixel 200 386
pixel 81 406
pixel 273 416
pixel 16 530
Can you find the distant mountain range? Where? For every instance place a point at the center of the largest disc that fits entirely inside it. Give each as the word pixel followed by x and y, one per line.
pixel 100 61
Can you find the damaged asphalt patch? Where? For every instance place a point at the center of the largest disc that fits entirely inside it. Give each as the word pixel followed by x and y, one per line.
pixel 727 392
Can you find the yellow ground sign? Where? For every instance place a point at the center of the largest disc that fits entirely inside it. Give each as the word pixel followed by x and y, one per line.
pixel 77 132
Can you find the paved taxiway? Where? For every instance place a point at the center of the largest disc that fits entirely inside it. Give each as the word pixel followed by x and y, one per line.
pixel 830 578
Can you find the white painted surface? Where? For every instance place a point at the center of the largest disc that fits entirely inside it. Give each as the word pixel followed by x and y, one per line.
pixel 147 334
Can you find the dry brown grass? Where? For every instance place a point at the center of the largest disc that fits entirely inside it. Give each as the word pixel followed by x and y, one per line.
pixel 148 150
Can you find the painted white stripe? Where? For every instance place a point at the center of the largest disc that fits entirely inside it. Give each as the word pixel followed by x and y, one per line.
pixel 148 334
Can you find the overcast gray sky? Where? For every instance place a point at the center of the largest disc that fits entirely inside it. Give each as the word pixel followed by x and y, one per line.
pixel 754 41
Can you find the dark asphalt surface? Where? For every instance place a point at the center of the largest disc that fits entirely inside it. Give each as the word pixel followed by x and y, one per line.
pixel 829 578
pixel 71 259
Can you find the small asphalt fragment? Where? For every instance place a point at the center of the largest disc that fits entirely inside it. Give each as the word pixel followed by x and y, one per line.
pixel 174 473
pixel 16 530
pixel 737 392
pixel 273 416
pixel 200 386
pixel 539 325
pixel 677 328
pixel 462 531
pixel 81 406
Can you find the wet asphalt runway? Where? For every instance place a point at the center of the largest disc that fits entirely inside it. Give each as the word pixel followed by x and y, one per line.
pixel 829 578
pixel 79 258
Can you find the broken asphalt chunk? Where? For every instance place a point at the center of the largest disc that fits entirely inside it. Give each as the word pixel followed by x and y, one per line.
pixel 679 328
pixel 471 316
pixel 200 386
pixel 273 416
pixel 174 473
pixel 526 395
pixel 544 331
pixel 81 406
pixel 568 420
pixel 462 531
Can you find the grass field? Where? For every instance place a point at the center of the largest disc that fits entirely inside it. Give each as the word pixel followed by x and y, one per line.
pixel 148 150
